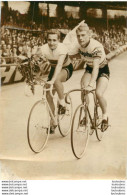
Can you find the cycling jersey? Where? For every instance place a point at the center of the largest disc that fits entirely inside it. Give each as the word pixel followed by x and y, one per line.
pixel 53 55
pixel 94 50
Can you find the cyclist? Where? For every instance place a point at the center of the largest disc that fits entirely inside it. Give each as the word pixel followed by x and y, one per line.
pixel 61 69
pixel 97 70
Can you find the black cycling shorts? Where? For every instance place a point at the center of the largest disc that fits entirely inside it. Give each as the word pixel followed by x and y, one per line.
pixel 68 68
pixel 103 72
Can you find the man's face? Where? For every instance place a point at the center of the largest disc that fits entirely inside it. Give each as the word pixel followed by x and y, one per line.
pixel 83 37
pixel 53 41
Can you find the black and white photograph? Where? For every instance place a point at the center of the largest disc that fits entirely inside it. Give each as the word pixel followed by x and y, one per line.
pixel 63 93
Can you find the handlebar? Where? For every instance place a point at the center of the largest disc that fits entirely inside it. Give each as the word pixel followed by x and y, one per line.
pixel 43 84
pixel 83 89
pixel 50 89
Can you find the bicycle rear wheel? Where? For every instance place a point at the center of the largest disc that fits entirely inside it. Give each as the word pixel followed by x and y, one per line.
pixel 80 131
pixel 99 132
pixel 65 120
pixel 38 126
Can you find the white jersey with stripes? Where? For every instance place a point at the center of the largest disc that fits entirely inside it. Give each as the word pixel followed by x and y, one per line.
pixel 94 50
pixel 53 55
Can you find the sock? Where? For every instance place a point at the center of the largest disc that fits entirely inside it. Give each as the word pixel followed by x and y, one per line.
pixel 62 102
pixel 104 116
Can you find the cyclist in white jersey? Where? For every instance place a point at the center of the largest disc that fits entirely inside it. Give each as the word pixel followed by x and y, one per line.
pixel 61 69
pixel 97 70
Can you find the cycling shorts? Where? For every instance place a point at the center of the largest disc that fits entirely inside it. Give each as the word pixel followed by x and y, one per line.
pixel 103 72
pixel 68 68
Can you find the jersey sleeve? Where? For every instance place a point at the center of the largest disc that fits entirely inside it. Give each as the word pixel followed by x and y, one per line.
pixel 63 50
pixel 97 53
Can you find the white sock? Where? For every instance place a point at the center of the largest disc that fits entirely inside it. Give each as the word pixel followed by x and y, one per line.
pixel 104 116
pixel 62 102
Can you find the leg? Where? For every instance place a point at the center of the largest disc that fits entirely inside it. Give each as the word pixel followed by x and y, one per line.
pixel 84 83
pixel 48 96
pixel 62 76
pixel 101 87
pixel 51 104
pixel 60 90
pixel 50 100
pixel 85 79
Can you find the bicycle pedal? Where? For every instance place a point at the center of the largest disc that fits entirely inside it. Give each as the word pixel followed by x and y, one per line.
pixel 105 128
pixel 52 131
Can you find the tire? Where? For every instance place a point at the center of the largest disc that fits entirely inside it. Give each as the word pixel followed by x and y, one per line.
pixel 38 126
pixel 99 132
pixel 65 120
pixel 80 133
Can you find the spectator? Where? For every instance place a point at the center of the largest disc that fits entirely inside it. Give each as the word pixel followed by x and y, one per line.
pixel 18 42
pixel 14 55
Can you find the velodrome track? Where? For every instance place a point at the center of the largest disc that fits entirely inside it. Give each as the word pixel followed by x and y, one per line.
pixel 103 160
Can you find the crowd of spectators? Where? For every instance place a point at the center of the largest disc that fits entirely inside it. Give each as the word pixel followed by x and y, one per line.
pixel 15 42
pixel 112 38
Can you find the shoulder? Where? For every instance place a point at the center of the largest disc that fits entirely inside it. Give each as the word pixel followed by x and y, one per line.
pixel 44 49
pixel 97 48
pixel 62 49
pixel 45 46
pixel 95 44
pixel 62 46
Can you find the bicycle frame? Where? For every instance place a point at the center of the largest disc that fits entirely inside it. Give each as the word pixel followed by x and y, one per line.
pixel 45 90
pixel 93 121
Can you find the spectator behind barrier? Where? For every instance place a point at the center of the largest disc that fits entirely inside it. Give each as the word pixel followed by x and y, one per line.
pixel 16 42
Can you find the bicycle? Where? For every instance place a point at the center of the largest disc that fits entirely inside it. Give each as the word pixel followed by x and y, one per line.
pixel 38 126
pixel 84 125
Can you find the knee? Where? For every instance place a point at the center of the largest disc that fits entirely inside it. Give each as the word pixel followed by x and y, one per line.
pixel 99 94
pixel 57 82
pixel 83 83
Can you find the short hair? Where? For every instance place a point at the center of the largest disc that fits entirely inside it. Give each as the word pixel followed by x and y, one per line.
pixel 53 32
pixel 82 27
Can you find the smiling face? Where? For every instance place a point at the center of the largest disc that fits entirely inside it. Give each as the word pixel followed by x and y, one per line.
pixel 53 41
pixel 83 37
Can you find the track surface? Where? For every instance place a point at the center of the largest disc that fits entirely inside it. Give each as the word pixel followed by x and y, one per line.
pixel 103 160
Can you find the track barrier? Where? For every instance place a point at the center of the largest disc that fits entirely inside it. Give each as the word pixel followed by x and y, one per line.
pixel 10 73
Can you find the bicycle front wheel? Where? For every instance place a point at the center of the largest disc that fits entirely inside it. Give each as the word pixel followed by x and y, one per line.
pixel 99 132
pixel 38 126
pixel 80 131
pixel 65 120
